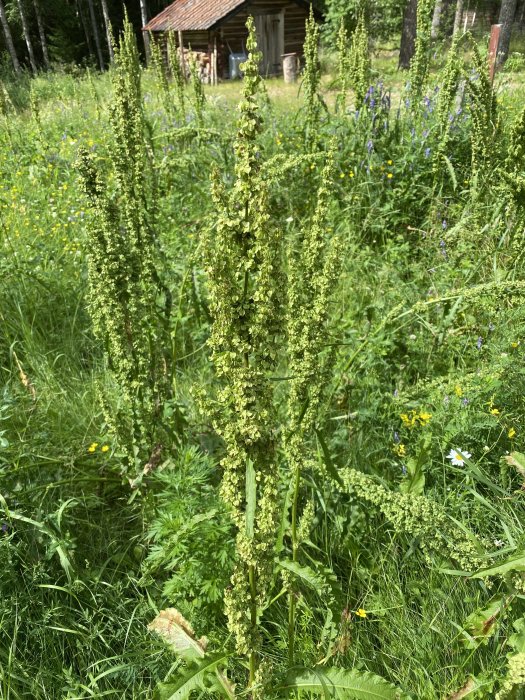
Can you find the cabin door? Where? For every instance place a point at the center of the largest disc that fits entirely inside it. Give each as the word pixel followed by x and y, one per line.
pixel 270 38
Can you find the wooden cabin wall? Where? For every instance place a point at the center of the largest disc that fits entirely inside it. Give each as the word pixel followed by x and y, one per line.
pixel 232 34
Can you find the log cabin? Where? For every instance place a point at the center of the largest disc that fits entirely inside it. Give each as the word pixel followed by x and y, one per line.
pixel 217 29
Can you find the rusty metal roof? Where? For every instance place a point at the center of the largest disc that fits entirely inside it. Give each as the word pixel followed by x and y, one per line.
pixel 191 15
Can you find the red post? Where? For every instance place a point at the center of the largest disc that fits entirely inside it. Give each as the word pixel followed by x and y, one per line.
pixel 493 49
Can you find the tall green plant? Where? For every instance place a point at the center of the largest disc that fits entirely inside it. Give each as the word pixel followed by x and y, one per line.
pixel 242 263
pixel 420 62
pixel 342 66
pixel 449 81
pixel 199 99
pixel 313 270
pixel 359 64
pixel 123 263
pixel 484 116
pixel 177 73
pixel 311 83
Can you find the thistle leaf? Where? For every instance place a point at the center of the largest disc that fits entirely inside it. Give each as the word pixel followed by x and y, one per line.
pixel 341 684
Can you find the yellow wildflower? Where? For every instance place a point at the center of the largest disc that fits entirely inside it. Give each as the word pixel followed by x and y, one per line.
pixel 399 450
pixel 104 448
pixel 390 176
pixel 424 418
pixel 511 433
pixel 458 390
pixel 389 162
pixel 494 411
pixel 360 612
pixel 93 447
pixel 515 344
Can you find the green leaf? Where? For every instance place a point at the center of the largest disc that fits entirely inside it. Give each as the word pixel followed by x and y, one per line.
pixel 305 573
pixel 451 171
pixel 251 498
pixel 330 466
pixel 515 563
pixel 517 640
pixel 198 677
pixel 415 480
pixel 481 624
pixel 341 684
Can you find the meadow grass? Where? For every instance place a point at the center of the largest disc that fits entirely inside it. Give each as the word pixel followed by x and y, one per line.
pixel 426 321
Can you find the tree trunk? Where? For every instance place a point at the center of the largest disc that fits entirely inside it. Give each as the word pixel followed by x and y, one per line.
pixel 458 17
pixel 144 16
pixel 41 31
pixel 506 19
pixel 408 35
pixel 436 18
pixel 80 15
pixel 27 37
pixel 107 23
pixel 96 34
pixel 9 38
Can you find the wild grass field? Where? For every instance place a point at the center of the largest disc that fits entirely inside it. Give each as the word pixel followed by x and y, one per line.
pixel 262 370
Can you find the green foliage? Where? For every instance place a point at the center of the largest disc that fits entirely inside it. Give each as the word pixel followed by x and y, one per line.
pixel 177 74
pixel 242 264
pixel 383 323
pixel 124 267
pixel 484 115
pixel 359 64
pixel 311 82
pixel 199 99
pixel 420 62
pixel 189 536
pixel 335 683
pixel 384 19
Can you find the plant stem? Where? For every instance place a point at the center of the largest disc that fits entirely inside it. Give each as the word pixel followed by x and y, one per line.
pixel 291 608
pixel 253 617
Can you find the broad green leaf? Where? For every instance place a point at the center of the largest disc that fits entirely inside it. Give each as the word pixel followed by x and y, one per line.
pixel 516 563
pixel 517 640
pixel 200 676
pixel 341 684
pixel 481 624
pixel 319 580
pixel 251 498
pixel 415 480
